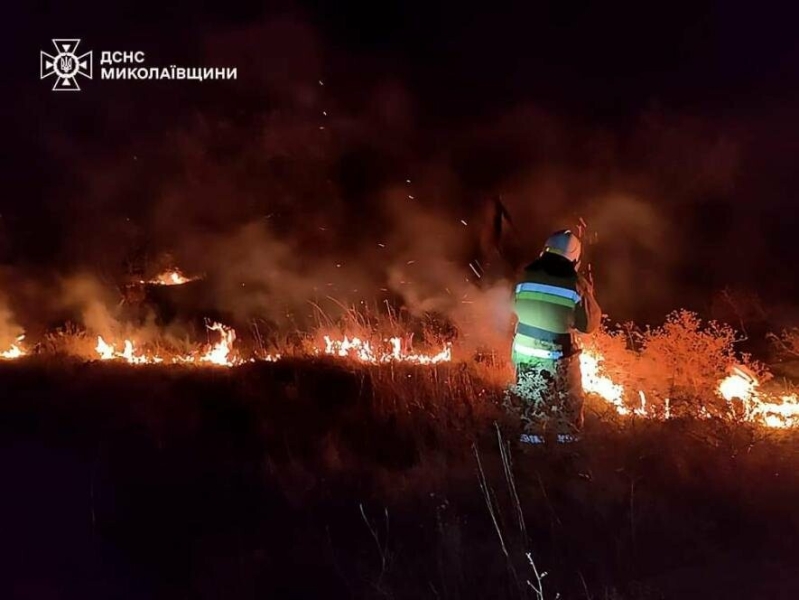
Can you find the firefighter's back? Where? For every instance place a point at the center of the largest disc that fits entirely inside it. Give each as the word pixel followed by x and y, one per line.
pixel 545 301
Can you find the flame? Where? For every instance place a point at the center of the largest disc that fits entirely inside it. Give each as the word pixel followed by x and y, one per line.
pixel 641 412
pixel 362 351
pixel 595 382
pixel 350 348
pixel 770 410
pixel 777 411
pixel 14 350
pixel 219 354
pixel 738 384
pixel 107 351
pixel 170 277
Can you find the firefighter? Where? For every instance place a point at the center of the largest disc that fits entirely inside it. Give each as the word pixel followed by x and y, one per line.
pixel 553 301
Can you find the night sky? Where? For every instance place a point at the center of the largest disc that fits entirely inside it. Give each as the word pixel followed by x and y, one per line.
pixel 672 129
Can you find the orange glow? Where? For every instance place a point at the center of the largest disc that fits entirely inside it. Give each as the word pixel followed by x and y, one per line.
pixel 741 385
pixel 107 351
pixel 362 351
pixel 14 350
pixel 220 353
pixel 771 410
pixel 738 384
pixel 779 411
pixel 596 382
pixel 170 277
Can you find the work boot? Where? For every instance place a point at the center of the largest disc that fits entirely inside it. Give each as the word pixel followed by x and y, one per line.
pixel 531 438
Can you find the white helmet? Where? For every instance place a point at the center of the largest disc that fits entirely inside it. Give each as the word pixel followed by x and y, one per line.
pixel 564 243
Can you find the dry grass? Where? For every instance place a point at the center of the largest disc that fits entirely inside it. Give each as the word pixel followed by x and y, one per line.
pixel 260 473
pixel 682 360
pixel 69 340
pixel 786 343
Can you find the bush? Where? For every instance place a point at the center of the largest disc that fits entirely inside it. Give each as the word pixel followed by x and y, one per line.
pixel 786 343
pixel 682 360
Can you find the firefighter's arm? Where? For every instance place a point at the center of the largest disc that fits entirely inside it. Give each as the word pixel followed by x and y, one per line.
pixel 587 314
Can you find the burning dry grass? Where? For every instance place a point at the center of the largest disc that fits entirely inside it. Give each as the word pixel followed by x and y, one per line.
pixel 682 360
pixel 364 351
pixel 11 335
pixel 170 277
pixel 684 368
pixel 219 353
pixel 15 350
pixel 360 337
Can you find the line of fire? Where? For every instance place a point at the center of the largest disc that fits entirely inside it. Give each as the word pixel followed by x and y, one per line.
pixel 613 368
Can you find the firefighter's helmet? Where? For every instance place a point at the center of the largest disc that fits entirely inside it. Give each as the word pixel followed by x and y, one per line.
pixel 565 243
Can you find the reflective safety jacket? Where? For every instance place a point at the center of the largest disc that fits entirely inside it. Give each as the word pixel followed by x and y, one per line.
pixel 549 308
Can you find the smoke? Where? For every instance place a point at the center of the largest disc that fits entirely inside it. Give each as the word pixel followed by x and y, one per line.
pixel 634 251
pixel 253 271
pixel 9 329
pixel 317 179
pixel 428 272
pixel 84 295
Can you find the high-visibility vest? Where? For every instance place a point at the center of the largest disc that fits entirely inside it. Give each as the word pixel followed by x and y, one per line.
pixel 545 306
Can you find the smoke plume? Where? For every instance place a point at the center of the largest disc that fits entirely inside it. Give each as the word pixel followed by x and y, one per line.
pixel 319 180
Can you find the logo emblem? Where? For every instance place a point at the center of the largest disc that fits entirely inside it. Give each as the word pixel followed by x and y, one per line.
pixel 66 65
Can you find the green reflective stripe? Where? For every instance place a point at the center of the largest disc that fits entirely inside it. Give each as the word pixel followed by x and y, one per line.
pixel 555 290
pixel 548 298
pixel 537 352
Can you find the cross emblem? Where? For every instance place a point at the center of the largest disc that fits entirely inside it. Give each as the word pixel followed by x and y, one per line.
pixel 66 65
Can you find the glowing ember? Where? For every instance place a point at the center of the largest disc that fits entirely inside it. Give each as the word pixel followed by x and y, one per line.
pixel 362 351
pixel 171 277
pixel 14 351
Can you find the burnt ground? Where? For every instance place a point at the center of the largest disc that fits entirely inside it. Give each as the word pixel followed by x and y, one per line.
pixel 311 480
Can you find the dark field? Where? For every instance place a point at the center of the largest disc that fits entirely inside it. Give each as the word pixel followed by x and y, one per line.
pixel 322 480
